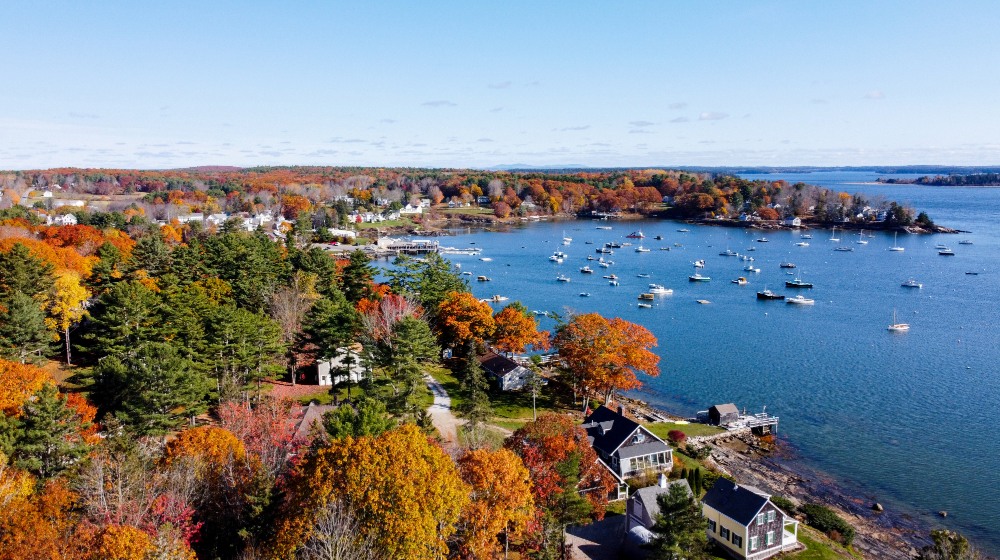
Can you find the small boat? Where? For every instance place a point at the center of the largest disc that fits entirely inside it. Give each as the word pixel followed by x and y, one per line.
pixel 482 278
pixel 751 248
pixel 683 230
pixel 591 258
pixel 641 249
pixel 584 294
pixel 911 283
pixel 896 247
pixel 588 242
pixel 660 290
pixel 556 259
pixel 612 282
pixel 742 281
pixel 698 278
pixel 485 259
pixel 801 300
pixel 972 273
pixel 797 283
pixel 642 275
pixel 940 246
pixel 587 270
pixel 644 305
pixel 762 240
pixel 699 263
pixel 806 236
pixel 746 258
pixel 647 296
pixel 802 244
pixel 603 227
pixel 751 268
pixel 636 235
pixel 611 277
pixel 946 252
pixel 769 295
pixel 965 242
pixel 844 249
pixel 562 278
pixel 604 250
pixel 833 235
pixel 861 240
pixel 466 273
pixel 605 264
pixel 566 240
pixel 897 327
pixel 613 245
pixel 664 248
pixel 703 301
pixel 786 265
pixel 658 238
pixel 496 298
pixel 729 253
pixel 677 245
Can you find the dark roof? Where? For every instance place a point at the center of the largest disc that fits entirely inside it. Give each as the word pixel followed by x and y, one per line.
pixel 736 502
pixel 608 429
pixel 728 408
pixel 498 365
pixel 649 494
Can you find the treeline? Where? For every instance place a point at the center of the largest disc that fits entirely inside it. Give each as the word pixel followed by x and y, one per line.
pixel 307 191
pixel 971 180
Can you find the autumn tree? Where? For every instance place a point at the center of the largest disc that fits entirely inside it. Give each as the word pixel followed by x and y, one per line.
pixel 604 355
pixel 462 318
pixel 122 542
pixel 266 430
pixel 17 383
pixel 65 304
pixel 288 308
pixel 334 536
pixel 501 502
pixel 405 490
pixel 516 330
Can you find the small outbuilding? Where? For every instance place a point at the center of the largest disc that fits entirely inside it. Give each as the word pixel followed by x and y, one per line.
pixel 505 372
pixel 722 414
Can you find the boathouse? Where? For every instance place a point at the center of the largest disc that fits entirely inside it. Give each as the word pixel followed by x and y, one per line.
pixel 722 414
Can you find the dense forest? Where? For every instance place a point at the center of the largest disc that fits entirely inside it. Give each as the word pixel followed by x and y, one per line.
pixel 329 193
pixel 971 180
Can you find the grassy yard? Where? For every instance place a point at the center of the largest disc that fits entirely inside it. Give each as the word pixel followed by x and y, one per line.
pixel 472 210
pixel 402 222
pixel 660 429
pixel 819 547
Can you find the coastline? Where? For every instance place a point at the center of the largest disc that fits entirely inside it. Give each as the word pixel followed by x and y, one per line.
pixel 889 534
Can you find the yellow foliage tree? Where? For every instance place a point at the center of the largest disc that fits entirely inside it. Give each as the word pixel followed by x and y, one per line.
pixel 65 304
pixel 502 502
pixel 121 542
pixel 405 491
pixel 17 383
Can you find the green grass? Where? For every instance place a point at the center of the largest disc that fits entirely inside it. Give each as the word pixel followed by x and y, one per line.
pixel 819 547
pixel 402 222
pixel 660 429
pixel 472 210
pixel 484 436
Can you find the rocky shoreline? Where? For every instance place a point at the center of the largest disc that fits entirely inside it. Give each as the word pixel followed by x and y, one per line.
pixel 750 460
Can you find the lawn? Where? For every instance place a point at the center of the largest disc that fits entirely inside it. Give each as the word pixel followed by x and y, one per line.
pixel 660 429
pixel 819 547
pixel 402 222
pixel 472 210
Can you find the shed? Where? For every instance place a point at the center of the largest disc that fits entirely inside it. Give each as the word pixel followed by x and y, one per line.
pixel 722 414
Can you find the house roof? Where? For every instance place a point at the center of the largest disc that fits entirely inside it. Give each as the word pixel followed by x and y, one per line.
pixel 647 496
pixel 607 429
pixel 638 450
pixel 728 408
pixel 496 364
pixel 739 503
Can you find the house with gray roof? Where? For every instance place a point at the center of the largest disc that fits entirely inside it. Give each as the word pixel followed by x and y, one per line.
pixel 642 507
pixel 625 446
pixel 745 523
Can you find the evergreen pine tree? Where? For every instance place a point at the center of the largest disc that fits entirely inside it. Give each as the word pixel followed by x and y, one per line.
pixel 125 317
pixel 108 268
pixel 679 527
pixel 49 434
pixel 356 281
pixel 151 254
pixel 476 407
pixel 23 336
pixel 22 272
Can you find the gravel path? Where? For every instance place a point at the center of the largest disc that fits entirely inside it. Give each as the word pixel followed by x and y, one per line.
pixel 441 416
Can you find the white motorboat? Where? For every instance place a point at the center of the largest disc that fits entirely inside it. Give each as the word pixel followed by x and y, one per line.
pixel 800 300
pixel 659 290
pixel 911 283
pixel 562 278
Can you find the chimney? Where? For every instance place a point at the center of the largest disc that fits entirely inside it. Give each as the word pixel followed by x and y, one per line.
pixel 663 480
pixel 621 410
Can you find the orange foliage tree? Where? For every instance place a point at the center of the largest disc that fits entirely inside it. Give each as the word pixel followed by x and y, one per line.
pixel 502 502
pixel 604 355
pixel 17 383
pixel 63 258
pixel 44 526
pixel 516 330
pixel 404 489
pixel 463 318
pixel 121 542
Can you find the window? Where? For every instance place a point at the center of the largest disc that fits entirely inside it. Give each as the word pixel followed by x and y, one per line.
pixel 769 538
pixel 737 541
pixel 770 515
pixel 724 533
pixel 754 541
pixel 639 437
pixel 711 526
pixel 760 519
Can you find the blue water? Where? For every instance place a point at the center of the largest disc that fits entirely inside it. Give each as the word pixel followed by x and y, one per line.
pixel 907 418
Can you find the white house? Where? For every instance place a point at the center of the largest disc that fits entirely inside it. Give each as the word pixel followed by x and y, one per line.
pixel 793 221
pixel 744 522
pixel 351 234
pixel 61 220
pixel 193 217
pixel 411 210
pixel 346 363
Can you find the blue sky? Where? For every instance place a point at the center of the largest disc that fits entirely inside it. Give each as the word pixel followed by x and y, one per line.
pixel 152 84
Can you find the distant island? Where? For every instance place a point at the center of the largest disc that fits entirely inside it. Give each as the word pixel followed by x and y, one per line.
pixel 991 179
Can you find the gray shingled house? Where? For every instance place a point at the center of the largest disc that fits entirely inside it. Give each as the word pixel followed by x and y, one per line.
pixel 744 522
pixel 624 445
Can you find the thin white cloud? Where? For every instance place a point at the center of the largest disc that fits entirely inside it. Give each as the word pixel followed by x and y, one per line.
pixel 496 109
pixel 875 94
pixel 712 116
pixel 574 128
pixel 499 85
pixel 439 103
pixel 640 124
pixel 640 131
pixel 677 105
pixel 680 120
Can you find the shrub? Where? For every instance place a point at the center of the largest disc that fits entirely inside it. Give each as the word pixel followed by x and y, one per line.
pixel 676 437
pixel 697 453
pixel 826 520
pixel 784 504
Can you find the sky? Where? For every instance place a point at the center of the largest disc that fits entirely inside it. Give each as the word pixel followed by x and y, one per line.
pixel 664 83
